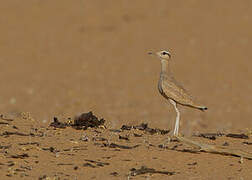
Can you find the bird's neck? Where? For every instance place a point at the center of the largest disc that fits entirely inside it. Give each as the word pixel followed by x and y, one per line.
pixel 165 67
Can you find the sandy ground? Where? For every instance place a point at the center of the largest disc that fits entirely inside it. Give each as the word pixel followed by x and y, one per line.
pixel 33 150
pixel 62 58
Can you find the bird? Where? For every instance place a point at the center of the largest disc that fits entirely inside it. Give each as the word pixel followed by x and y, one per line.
pixel 173 91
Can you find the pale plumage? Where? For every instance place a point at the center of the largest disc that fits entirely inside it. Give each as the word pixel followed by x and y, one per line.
pixel 172 90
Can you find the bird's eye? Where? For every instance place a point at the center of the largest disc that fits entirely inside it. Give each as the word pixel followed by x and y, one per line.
pixel 164 53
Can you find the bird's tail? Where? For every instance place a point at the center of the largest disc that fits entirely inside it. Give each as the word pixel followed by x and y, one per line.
pixel 202 108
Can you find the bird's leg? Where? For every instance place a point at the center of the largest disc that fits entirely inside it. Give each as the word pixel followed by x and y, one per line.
pixel 176 128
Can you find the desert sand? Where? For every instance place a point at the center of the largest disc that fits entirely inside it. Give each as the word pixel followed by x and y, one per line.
pixel 60 59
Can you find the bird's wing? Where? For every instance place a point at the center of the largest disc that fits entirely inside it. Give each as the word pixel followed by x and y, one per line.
pixel 172 89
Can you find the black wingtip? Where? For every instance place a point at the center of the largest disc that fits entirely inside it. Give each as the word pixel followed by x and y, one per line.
pixel 203 108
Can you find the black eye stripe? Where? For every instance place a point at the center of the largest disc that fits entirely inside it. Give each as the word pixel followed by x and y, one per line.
pixel 164 53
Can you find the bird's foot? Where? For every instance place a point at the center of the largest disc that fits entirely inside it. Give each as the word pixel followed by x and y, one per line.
pixel 168 140
pixel 175 135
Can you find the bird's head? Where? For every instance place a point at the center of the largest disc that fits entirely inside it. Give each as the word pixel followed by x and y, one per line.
pixel 166 55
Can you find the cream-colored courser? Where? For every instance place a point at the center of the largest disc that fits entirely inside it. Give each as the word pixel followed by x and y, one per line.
pixel 172 90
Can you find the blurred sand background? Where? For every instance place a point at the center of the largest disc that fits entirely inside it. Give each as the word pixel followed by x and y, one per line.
pixel 66 57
